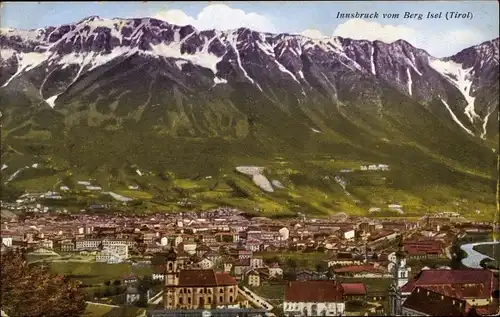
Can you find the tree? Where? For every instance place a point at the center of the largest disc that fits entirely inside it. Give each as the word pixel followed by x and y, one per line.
pixel 321 267
pixel 291 263
pixel 31 290
pixel 141 302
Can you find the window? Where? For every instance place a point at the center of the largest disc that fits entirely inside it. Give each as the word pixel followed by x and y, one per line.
pixel 180 300
pixel 230 299
pixel 221 291
pixel 220 299
pixel 230 290
pixel 210 300
pixel 170 266
pixel 189 300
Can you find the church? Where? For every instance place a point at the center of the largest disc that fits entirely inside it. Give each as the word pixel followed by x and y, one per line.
pixel 191 288
pixel 442 292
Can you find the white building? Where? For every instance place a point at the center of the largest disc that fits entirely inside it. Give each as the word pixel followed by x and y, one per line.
pixel 284 233
pixel 314 298
pixel 87 244
pixel 205 264
pixel 7 241
pixel 256 262
pixel 115 253
pixel 275 270
pixel 348 235
pixel 401 273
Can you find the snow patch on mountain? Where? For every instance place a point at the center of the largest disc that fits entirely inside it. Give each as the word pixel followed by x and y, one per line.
pixel 201 58
pixel 180 63
pixel 218 80
pixel 455 118
pixel 372 62
pixel 250 170
pixel 410 83
pixel 26 62
pixel 7 53
pixel 263 183
pixel 232 39
pixel 461 79
pixel 52 101
pixel 102 59
pixel 485 124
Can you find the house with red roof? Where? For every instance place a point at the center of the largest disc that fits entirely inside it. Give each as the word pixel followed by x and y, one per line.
pixel 423 249
pixel 354 291
pixel 314 298
pixel 473 287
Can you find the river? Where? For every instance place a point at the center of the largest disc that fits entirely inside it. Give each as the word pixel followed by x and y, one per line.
pixel 474 258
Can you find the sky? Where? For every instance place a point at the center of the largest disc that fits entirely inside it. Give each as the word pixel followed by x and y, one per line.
pixel 440 37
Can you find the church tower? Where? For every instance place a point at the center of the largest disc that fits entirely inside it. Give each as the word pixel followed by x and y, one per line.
pixel 171 280
pixel 400 273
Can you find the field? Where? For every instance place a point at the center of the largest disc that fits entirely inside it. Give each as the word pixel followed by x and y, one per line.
pixel 92 273
pixel 270 291
pixel 373 285
pixel 303 260
pixel 96 310
pixel 205 180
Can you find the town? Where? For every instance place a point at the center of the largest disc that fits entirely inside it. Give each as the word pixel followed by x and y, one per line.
pixel 225 263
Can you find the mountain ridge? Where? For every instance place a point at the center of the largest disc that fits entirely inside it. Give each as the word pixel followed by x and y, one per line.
pixel 95 98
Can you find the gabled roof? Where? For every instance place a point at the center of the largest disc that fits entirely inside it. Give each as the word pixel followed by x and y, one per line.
pixel 463 283
pixel 435 304
pixel 354 288
pixel 314 291
pixel 204 278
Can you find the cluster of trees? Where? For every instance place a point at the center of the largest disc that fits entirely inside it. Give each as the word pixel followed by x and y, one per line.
pixel 33 291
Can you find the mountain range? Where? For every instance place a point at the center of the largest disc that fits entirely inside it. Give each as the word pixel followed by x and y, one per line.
pixel 104 98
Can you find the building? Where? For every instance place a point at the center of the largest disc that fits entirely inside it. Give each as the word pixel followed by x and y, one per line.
pixel 132 295
pixel 230 312
pixel 195 288
pixel 354 291
pixel 87 244
pixel 313 298
pixel 423 302
pixel 400 274
pixel 423 249
pixel 253 278
pixel 473 287
pixel 114 253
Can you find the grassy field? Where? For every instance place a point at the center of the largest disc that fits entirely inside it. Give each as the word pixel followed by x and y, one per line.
pixel 373 285
pixel 95 310
pixel 310 188
pixel 92 273
pixel 303 260
pixel 271 291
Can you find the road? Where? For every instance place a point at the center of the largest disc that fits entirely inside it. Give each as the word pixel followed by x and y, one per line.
pixel 101 304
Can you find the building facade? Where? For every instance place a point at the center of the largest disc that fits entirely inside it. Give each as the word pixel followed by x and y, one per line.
pixel 197 288
pixel 313 298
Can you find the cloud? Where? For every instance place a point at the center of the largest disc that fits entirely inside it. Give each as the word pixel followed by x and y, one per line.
pixel 359 29
pixel 439 44
pixel 313 33
pixel 219 17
